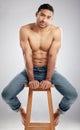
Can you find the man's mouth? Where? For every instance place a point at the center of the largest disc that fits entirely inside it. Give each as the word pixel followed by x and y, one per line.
pixel 42 23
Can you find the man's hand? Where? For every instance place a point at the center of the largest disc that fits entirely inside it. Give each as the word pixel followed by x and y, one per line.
pixel 45 84
pixel 34 84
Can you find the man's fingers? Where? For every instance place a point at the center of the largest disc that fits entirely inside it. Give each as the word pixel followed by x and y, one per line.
pixel 34 84
pixel 41 84
pixel 45 84
pixel 37 85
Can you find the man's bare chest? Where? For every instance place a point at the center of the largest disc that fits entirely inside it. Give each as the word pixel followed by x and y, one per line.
pixel 42 42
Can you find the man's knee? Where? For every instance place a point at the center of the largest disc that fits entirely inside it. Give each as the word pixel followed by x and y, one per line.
pixel 74 94
pixel 5 94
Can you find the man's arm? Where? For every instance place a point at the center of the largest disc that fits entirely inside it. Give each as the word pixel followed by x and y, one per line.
pixel 27 53
pixel 52 54
pixel 51 60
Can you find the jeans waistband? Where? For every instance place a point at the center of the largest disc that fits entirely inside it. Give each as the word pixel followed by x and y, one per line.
pixel 40 67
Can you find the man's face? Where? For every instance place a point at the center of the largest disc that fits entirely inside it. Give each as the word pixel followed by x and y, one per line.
pixel 44 18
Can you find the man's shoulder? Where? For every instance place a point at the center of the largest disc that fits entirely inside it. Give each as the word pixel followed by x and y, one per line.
pixel 55 28
pixel 27 27
pixel 56 31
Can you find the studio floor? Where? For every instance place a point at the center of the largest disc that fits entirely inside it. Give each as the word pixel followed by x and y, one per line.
pixel 15 124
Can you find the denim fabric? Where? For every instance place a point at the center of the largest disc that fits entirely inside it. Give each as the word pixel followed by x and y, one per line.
pixel 11 91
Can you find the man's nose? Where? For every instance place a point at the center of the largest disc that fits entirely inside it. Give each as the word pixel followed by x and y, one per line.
pixel 44 19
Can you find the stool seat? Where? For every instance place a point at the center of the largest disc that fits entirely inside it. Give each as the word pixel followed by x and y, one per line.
pixel 39 126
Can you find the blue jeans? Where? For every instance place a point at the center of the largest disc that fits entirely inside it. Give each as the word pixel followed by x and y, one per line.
pixel 11 91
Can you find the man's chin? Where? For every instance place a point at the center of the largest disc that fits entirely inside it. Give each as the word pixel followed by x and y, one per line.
pixel 42 26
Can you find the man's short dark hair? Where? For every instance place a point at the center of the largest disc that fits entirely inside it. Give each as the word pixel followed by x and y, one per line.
pixel 46 6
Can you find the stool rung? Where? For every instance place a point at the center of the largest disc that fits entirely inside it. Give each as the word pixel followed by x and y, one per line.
pixel 39 124
pixel 37 128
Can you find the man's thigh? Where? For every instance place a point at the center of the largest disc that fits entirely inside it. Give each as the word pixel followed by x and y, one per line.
pixel 62 84
pixel 17 83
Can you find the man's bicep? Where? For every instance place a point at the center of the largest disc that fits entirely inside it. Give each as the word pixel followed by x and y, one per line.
pixel 24 41
pixel 27 51
pixel 23 34
pixel 54 48
pixel 56 43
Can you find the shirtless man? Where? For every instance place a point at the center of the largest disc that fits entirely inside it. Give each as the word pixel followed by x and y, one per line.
pixel 40 43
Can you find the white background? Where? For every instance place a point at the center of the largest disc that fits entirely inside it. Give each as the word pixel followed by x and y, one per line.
pixel 14 14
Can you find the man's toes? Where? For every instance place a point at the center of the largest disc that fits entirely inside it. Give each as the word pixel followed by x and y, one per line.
pixel 56 118
pixel 23 121
pixel 56 123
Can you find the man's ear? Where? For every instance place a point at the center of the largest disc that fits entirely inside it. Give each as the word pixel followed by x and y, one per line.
pixel 36 14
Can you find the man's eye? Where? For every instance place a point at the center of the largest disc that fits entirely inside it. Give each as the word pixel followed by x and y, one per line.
pixel 42 15
pixel 48 17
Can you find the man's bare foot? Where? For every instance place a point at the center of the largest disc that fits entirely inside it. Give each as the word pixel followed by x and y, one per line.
pixel 23 115
pixel 56 117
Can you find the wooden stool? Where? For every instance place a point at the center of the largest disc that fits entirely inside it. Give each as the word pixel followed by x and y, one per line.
pixel 39 126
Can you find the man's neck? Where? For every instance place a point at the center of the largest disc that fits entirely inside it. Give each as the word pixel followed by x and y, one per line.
pixel 41 30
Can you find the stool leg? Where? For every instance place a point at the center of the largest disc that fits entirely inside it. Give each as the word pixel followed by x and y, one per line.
pixel 29 106
pixel 50 109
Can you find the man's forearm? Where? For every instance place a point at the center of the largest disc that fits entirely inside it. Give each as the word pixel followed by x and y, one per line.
pixel 29 67
pixel 30 74
pixel 50 67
